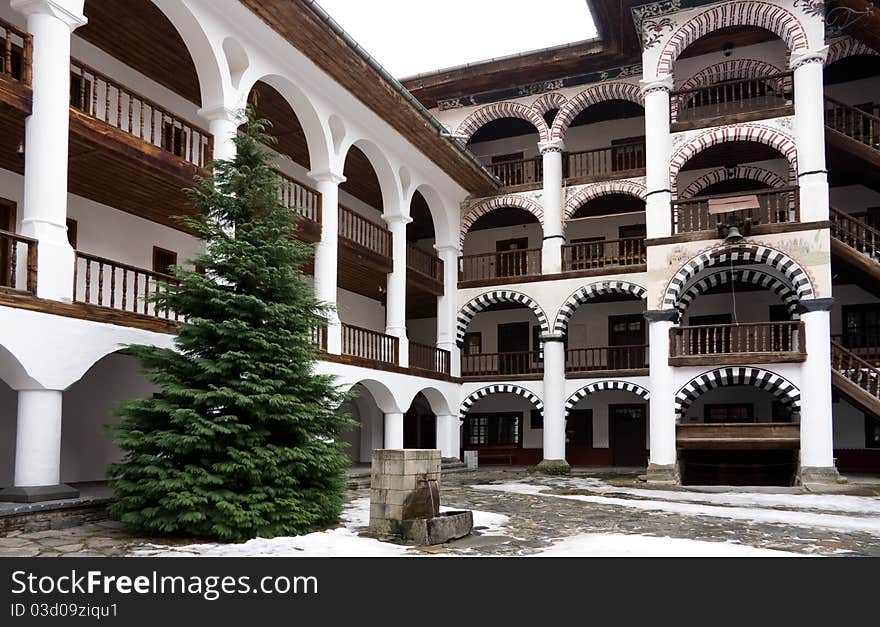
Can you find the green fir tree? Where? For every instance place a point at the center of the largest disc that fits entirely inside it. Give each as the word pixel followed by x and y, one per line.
pixel 243 439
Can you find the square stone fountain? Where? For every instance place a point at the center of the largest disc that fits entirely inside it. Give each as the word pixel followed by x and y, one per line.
pixel 405 499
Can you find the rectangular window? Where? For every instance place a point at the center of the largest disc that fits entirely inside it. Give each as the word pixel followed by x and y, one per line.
pixel 163 260
pixel 729 412
pixel 872 431
pixel 493 430
pixel 81 93
pixel 473 344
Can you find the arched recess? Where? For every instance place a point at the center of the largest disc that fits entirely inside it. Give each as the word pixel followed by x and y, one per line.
pixel 798 278
pixel 600 386
pixel 389 186
pixel 767 15
pixel 498 110
pixel 783 389
pixel 588 292
pixel 746 172
pixel 500 388
pixel 440 405
pixel 590 96
pixel 384 397
pixel 749 277
pixel 847 47
pixel 758 133
pixel 498 202
pixel 439 217
pixel 630 188
pixel 481 302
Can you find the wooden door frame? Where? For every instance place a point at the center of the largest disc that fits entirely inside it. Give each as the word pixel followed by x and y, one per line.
pixel 617 317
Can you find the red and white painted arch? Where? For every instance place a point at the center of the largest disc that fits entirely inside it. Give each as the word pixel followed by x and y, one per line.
pixel 498 110
pixel 591 192
pixel 491 204
pixel 593 94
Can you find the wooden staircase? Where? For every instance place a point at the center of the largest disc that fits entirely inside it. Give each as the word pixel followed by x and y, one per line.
pixel 852 141
pixel 856 246
pixel 856 379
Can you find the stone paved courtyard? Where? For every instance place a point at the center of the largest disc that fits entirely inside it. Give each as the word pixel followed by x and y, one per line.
pixel 539 513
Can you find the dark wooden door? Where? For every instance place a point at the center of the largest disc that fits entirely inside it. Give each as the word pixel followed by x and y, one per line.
pixel 579 436
pixel 513 344
pixel 515 261
pixel 628 431
pixel 781 340
pixel 7 223
pixel 419 429
pixel 632 251
pixel 626 339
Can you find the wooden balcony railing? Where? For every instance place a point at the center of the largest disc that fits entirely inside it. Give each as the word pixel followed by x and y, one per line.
pixel 634 357
pixel 855 234
pixel 774 340
pixel 603 161
pixel 430 358
pixel 776 206
pixel 319 338
pixel 520 172
pixel 855 369
pixel 732 97
pixel 364 233
pixel 500 265
pixel 295 195
pixel 107 283
pixel 865 345
pixel 371 345
pixel 628 251
pixel 17 53
pixel 493 364
pixel 100 97
pixel 862 126
pixel 14 249
pixel 424 263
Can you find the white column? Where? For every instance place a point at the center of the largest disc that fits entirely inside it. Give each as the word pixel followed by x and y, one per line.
pixel 448 436
pixel 554 234
pixel 327 253
pixel 447 307
pixel 817 443
pixel 809 128
pixel 394 430
pixel 663 462
pixel 658 148
pixel 554 401
pixel 223 125
pixel 395 303
pixel 38 449
pixel 44 216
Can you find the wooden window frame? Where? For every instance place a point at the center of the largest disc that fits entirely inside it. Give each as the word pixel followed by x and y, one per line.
pixel 157 251
pixel 708 407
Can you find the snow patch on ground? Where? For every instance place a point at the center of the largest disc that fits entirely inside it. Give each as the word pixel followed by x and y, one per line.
pixel 624 545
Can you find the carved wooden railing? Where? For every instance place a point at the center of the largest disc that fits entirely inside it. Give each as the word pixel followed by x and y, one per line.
pixel 491 364
pixel 864 345
pixel 107 283
pixel 363 232
pixel 319 338
pixel 862 126
pixel 15 248
pixel 518 172
pixel 430 358
pixel 100 97
pixel 634 357
pixel 730 97
pixel 737 339
pixel 855 234
pixel 599 161
pixel 16 62
pixel 627 251
pixel 776 206
pixel 293 194
pixel 852 367
pixel 369 344
pixel 424 263
pixel 500 265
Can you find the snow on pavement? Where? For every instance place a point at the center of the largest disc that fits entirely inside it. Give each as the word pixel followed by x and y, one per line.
pixel 625 545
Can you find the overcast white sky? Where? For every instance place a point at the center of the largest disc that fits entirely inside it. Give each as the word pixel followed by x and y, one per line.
pixel 413 36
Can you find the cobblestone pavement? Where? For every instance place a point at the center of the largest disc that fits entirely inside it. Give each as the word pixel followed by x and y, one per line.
pixel 536 521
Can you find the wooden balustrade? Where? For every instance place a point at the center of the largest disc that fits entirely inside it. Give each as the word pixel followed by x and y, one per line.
pixel 633 357
pixel 773 339
pixel 863 344
pixel 855 123
pixel 16 62
pixel 430 358
pixel 364 233
pixel 14 249
pixel 319 338
pixel 603 161
pixel 107 283
pixel 369 344
pixel 732 97
pixel 500 265
pixel 627 251
pixel 492 364
pixel 519 172
pixel 855 234
pixel 855 369
pixel 424 263
pixel 100 97
pixel 776 206
pixel 295 195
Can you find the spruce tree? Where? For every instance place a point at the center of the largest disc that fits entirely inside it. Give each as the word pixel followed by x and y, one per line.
pixel 243 439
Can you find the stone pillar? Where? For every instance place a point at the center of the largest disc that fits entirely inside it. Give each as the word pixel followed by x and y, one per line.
pixel 223 125
pixel 448 436
pixel 817 442
pixel 394 430
pixel 38 449
pixel 663 461
pixel 658 149
pixel 447 308
pixel 554 237
pixel 554 402
pixel 809 128
pixel 44 215
pixel 327 253
pixel 395 303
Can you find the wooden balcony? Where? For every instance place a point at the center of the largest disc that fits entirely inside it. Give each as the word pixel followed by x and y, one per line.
pixel 18 263
pixel 526 172
pixel 507 266
pixel 614 162
pixel 15 93
pixel 306 201
pixel 607 360
pixel 779 205
pixel 366 240
pixel 369 345
pixel 500 365
pixel 626 254
pixel 429 358
pixel 732 101
pixel 737 344
pixel 738 436
pixel 424 271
